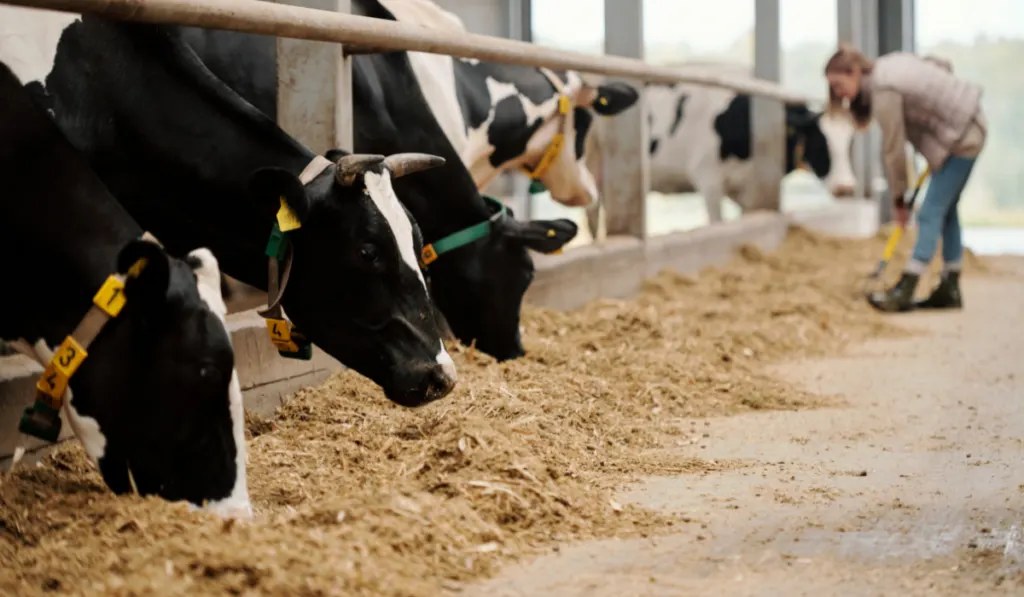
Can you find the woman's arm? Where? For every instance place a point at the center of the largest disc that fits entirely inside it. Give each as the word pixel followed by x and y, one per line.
pixel 887 110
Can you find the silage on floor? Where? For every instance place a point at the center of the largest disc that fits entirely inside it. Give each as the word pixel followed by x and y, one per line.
pixel 358 497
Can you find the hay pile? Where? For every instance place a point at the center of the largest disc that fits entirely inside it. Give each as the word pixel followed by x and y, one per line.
pixel 358 497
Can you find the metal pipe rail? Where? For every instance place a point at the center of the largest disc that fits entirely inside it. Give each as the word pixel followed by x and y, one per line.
pixel 254 16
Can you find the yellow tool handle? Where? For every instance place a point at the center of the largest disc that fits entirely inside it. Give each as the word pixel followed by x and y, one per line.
pixel 924 175
pixel 890 247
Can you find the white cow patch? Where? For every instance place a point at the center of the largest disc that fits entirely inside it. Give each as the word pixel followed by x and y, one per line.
pixel 447 364
pixel 237 503
pixel 378 187
pixel 29 38
pixel 435 73
pixel 839 129
pixel 86 429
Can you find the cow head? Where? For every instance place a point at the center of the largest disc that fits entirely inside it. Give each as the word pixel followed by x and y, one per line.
pixel 355 287
pixel 480 286
pixel 566 177
pixel 539 122
pixel 157 402
pixel 823 143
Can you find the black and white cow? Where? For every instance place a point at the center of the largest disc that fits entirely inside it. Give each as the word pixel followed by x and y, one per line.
pixel 157 393
pixel 504 117
pixel 700 141
pixel 479 287
pixel 197 165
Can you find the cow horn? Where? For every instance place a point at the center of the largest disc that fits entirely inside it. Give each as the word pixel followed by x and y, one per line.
pixel 354 165
pixel 401 164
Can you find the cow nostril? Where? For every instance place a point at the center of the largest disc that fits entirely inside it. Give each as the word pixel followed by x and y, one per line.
pixel 441 379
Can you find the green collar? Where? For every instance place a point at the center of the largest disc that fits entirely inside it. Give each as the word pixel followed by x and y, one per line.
pixel 463 237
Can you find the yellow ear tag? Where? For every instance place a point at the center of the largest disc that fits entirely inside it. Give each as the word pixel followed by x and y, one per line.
pixel 603 101
pixel 551 233
pixel 563 104
pixel 286 219
pixel 136 269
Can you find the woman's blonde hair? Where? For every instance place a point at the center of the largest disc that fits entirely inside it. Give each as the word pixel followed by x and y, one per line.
pixel 849 60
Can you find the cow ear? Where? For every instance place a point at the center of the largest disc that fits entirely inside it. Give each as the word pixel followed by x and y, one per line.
pixel 543 236
pixel 268 187
pixel 148 272
pixel 610 98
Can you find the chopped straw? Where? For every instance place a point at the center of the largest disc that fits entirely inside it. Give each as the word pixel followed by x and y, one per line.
pixel 354 496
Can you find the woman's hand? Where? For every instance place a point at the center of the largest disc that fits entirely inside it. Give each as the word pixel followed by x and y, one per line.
pixel 901 214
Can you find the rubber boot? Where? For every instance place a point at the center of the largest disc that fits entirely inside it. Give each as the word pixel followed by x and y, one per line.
pixel 946 295
pixel 898 298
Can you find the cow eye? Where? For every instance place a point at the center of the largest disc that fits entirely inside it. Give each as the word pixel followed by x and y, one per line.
pixel 368 253
pixel 209 374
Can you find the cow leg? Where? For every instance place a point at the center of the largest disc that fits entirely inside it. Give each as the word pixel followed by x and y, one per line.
pixel 713 195
pixel 594 219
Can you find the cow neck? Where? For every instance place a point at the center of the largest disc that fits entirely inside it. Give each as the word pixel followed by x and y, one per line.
pixel 799 146
pixel 41 419
pixel 70 223
pixel 452 226
pixel 554 148
pixel 445 202
pixel 205 146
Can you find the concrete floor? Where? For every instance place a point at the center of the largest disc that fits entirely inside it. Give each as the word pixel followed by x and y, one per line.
pixel 915 488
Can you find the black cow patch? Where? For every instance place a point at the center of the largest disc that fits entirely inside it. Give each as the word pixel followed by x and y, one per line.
pixel 472 93
pixel 654 146
pixel 734 130
pixel 583 120
pixel 505 132
pixel 678 119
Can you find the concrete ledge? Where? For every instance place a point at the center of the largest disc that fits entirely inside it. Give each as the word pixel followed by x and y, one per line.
pixel 257 360
pixel 618 266
pixel 693 250
pixel 853 218
pixel 266 379
pixel 580 275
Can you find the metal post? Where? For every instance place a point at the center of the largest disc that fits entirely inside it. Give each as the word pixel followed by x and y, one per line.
pixel 344 119
pixel 313 87
pixel 768 116
pixel 895 33
pixel 858 25
pixel 519 26
pixel 626 162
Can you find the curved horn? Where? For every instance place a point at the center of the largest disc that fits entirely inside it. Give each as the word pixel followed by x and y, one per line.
pixel 401 164
pixel 354 165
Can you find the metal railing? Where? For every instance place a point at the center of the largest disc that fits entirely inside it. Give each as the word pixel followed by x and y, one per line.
pixel 368 34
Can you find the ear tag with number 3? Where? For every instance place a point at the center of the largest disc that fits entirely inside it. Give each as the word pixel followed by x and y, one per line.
pixel 286 219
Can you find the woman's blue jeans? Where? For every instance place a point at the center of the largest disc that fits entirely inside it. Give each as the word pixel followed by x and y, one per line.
pixel 938 217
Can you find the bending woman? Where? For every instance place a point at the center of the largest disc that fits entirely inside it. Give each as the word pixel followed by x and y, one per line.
pixel 917 99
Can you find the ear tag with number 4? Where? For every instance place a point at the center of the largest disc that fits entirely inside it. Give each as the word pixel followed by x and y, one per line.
pixel 286 219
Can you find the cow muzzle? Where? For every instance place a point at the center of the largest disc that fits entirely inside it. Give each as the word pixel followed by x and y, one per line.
pixel 843 190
